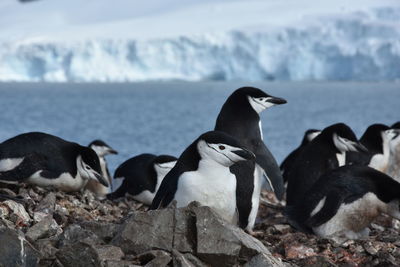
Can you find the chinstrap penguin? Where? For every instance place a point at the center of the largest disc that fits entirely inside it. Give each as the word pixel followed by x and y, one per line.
pixel 394 162
pixel 102 150
pixel 142 176
pixel 47 160
pixel 377 139
pixel 287 163
pixel 326 152
pixel 202 174
pixel 343 202
pixel 239 117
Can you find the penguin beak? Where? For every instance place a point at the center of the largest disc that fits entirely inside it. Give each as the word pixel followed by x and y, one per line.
pixel 101 179
pixel 245 154
pixel 112 151
pixel 276 100
pixel 360 147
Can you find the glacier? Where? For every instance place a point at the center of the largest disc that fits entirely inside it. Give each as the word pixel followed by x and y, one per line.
pixel 362 45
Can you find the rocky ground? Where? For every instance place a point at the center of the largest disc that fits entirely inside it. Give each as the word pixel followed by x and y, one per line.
pixel 51 228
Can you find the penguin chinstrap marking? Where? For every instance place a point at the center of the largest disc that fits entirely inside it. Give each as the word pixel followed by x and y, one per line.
pixel 142 176
pixel 102 150
pixel 379 139
pixel 47 160
pixel 343 202
pixel 326 152
pixel 287 163
pixel 239 117
pixel 202 174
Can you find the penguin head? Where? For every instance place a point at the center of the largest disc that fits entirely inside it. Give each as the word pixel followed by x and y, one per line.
pixel 343 138
pixel 396 125
pixel 376 136
pixel 393 136
pixel 101 148
pixel 89 165
pixel 256 98
pixel 164 163
pixel 309 135
pixel 222 148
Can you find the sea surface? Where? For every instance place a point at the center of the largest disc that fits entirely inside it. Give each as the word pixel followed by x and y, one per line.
pixel 165 117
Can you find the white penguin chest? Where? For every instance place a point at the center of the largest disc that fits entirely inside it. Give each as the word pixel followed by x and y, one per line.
pixel 65 182
pixel 213 186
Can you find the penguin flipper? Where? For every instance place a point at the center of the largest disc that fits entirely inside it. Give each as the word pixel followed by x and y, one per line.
pixel 120 192
pixel 266 160
pixel 331 206
pixel 166 192
pixel 29 165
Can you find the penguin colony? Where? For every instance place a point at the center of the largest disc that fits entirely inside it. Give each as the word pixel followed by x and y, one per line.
pixel 336 184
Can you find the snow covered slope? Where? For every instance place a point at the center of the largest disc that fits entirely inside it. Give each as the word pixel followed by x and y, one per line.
pixel 132 40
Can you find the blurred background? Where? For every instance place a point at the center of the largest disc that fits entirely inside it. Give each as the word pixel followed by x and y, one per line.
pixel 151 76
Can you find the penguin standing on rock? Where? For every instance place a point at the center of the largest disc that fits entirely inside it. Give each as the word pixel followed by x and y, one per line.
pixel 343 203
pixel 202 174
pixel 102 150
pixel 142 176
pixel 289 160
pixel 377 139
pixel 47 160
pixel 326 152
pixel 239 117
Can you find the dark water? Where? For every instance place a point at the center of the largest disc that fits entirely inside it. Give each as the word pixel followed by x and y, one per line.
pixel 165 117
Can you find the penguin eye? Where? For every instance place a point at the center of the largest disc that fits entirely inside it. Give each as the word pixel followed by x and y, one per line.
pixel 221 147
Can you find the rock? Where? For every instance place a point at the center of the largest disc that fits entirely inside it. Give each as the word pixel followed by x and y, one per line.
pixel 105 231
pixel 18 214
pixel 45 228
pixel 145 231
pixel 74 233
pixel 299 251
pixel 108 252
pixel 186 260
pixel 154 258
pixel 184 230
pixel 260 260
pixel 78 255
pixel 220 243
pixel 15 250
pixel 120 264
pixel 4 211
pixel 47 248
pixel 47 204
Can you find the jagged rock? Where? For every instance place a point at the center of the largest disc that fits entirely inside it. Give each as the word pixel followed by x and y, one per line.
pixel 120 264
pixel 18 214
pixel 154 258
pixel 78 255
pixel 105 231
pixel 74 233
pixel 145 231
pixel 186 260
pixel 45 228
pixel 47 247
pixel 15 250
pixel 47 204
pixel 108 252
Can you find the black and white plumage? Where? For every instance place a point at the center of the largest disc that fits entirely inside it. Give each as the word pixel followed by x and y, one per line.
pixel 142 176
pixel 326 152
pixel 202 174
pixel 287 163
pixel 377 139
pixel 394 162
pixel 102 150
pixel 343 202
pixel 239 117
pixel 47 160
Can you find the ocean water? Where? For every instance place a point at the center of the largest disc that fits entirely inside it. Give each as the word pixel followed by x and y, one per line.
pixel 165 117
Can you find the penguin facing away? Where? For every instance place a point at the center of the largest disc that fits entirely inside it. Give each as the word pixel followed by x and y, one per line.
pixel 239 117
pixel 47 160
pixel 102 150
pixel 326 152
pixel 377 139
pixel 287 163
pixel 202 174
pixel 142 176
pixel 343 202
